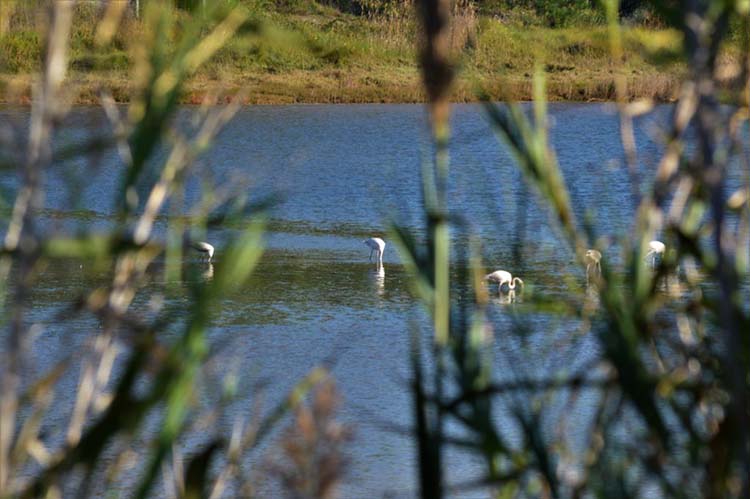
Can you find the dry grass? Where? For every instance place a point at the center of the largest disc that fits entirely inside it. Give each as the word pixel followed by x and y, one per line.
pixel 353 87
pixel 312 462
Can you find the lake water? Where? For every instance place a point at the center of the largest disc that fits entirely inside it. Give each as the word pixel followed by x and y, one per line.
pixel 341 172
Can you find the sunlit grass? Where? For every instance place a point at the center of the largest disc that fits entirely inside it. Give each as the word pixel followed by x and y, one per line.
pixel 325 55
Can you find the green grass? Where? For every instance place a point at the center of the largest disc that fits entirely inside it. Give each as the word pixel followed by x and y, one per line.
pixel 20 52
pixel 313 53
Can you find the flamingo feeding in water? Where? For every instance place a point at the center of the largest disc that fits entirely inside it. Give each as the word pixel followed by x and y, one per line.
pixel 655 252
pixel 593 260
pixel 203 247
pixel 503 278
pixel 377 246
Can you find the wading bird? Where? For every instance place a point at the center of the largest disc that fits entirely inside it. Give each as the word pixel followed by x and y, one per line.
pixel 203 247
pixel 376 245
pixel 655 252
pixel 504 279
pixel 593 260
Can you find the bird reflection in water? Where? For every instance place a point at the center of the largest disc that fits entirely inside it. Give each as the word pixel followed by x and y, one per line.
pixel 591 301
pixel 506 298
pixel 208 272
pixel 593 259
pixel 378 279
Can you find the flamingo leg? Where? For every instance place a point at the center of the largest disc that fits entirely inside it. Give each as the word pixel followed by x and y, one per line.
pixel 651 258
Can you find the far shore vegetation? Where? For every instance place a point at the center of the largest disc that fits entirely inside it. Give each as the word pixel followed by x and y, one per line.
pixel 363 51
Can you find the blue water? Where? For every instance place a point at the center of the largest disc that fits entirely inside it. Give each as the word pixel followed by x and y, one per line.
pixel 339 174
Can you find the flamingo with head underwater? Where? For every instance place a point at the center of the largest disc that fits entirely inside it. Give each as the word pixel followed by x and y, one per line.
pixel 201 247
pixel 593 259
pixel 504 279
pixel 376 246
pixel 656 251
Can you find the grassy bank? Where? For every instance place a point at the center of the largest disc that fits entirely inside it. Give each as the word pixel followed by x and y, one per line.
pixel 321 54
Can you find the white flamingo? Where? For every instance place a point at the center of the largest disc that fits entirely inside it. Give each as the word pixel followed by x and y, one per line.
pixel 593 260
pixel 655 252
pixel 504 279
pixel 203 247
pixel 376 246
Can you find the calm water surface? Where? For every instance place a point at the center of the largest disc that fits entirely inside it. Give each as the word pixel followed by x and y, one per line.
pixel 341 172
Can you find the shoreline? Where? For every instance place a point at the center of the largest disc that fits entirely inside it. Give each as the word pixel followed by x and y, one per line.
pixel 16 90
